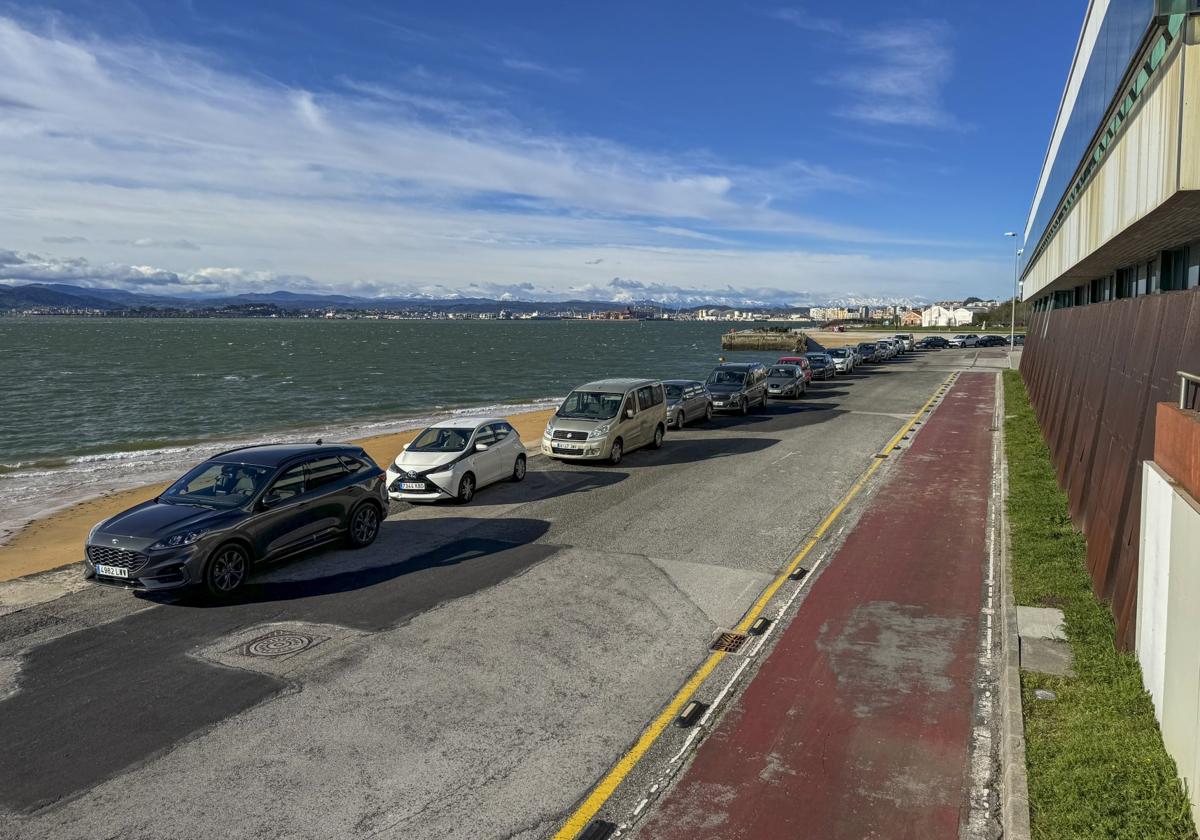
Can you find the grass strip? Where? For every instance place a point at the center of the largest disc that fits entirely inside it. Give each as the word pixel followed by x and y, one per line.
pixel 1095 757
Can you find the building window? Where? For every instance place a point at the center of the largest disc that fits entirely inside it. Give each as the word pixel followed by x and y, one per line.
pixel 1173 270
pixel 1126 283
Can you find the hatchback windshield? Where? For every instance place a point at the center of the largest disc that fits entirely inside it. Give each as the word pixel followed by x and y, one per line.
pixel 590 405
pixel 726 377
pixel 786 371
pixel 441 439
pixel 674 392
pixel 839 353
pixel 818 358
pixel 218 485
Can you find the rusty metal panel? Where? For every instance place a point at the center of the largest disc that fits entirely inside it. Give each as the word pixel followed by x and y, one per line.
pixel 1095 375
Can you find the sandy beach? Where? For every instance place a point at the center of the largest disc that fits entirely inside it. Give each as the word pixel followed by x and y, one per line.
pixel 57 540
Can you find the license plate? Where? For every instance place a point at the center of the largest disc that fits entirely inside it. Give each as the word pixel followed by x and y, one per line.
pixel 566 447
pixel 111 571
pixel 719 403
pixel 412 485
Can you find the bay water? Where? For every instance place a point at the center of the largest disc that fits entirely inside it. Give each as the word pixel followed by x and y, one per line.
pixel 93 404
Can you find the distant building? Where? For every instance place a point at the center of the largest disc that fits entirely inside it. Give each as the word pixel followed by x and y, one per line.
pixel 912 318
pixel 941 316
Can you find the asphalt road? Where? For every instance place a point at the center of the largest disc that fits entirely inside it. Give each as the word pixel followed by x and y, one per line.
pixel 472 674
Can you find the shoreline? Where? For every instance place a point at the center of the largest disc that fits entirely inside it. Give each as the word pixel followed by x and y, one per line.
pixel 54 539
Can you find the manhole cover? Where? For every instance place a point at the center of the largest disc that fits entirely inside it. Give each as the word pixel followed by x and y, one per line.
pixel 728 642
pixel 280 643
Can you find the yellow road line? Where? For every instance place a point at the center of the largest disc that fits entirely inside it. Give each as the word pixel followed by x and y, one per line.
pixel 582 815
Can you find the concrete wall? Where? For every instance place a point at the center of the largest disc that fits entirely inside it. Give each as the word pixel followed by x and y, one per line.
pixel 1168 624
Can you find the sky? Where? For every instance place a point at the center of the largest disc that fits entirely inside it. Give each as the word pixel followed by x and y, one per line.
pixel 624 150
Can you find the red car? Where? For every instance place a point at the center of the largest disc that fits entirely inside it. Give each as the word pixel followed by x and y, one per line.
pixel 797 360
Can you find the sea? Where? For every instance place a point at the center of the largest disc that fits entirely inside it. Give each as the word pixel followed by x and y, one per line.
pixel 92 405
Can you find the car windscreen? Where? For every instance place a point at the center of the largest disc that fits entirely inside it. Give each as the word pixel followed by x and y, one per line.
pixel 441 439
pixel 214 484
pixel 674 392
pixel 839 353
pixel 726 377
pixel 590 405
pixel 818 358
pixel 785 371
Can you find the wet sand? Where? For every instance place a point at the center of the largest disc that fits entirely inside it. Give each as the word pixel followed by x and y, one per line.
pixel 57 540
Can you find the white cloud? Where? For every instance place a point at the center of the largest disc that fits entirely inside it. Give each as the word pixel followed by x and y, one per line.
pixel 371 186
pixel 895 73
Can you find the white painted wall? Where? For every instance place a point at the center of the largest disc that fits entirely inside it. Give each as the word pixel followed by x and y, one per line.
pixel 1168 620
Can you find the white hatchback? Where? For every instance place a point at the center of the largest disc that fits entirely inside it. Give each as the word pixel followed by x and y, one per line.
pixel 454 458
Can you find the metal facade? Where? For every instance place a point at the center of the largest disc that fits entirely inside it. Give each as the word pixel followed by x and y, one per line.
pixel 1095 375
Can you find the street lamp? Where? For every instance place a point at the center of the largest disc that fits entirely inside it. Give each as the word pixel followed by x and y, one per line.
pixel 1012 310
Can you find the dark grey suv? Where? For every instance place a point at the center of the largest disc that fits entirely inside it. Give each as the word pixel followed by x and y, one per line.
pixel 738 386
pixel 246 506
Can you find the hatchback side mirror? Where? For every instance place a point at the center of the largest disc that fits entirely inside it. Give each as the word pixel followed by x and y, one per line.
pixel 268 501
pixel 629 414
pixel 481 447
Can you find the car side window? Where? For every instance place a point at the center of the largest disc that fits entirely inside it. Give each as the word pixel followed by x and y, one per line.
pixel 322 471
pixel 485 435
pixel 630 405
pixel 288 486
pixel 656 393
pixel 500 430
pixel 645 397
pixel 352 465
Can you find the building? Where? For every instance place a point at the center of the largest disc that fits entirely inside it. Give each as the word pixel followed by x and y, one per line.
pixel 944 316
pixel 1117 209
pixel 1110 261
pixel 912 318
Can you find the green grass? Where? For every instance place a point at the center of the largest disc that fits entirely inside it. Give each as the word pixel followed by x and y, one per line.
pixel 1096 762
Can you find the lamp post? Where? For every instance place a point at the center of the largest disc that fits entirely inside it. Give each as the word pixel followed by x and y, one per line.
pixel 1012 310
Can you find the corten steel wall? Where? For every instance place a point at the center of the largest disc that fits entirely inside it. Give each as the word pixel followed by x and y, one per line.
pixel 1095 375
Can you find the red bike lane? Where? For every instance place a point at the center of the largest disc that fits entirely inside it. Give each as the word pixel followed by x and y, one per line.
pixel 858 724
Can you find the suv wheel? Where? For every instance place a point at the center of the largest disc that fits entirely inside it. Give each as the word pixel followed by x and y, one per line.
pixel 745 407
pixel 364 526
pixel 659 433
pixel 614 454
pixel 466 488
pixel 226 570
pixel 518 473
pixel 708 413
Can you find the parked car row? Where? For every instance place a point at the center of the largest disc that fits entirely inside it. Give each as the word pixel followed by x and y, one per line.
pixel 259 504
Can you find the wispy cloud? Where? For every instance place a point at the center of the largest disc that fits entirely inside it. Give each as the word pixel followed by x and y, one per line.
pixel 523 65
pixel 894 73
pixel 372 184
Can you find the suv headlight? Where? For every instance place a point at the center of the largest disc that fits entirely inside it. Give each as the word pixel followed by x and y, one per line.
pixel 178 540
pixel 549 427
pixel 600 431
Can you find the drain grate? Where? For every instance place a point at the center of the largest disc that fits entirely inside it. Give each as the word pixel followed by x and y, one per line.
pixel 728 642
pixel 279 644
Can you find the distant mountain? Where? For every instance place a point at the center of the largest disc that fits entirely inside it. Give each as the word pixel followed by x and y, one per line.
pixel 63 295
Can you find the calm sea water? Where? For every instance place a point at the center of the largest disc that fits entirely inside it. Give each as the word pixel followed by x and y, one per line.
pixel 95 403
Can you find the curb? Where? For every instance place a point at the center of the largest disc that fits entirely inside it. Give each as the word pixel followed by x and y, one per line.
pixel 1014 786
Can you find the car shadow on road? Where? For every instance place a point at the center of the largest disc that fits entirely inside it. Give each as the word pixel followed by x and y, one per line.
pixel 405 547
pixel 538 486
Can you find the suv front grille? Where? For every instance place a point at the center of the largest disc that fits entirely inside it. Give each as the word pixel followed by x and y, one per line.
pixel 561 435
pixel 121 557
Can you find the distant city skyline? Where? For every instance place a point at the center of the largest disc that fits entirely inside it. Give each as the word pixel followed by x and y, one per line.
pixel 678 153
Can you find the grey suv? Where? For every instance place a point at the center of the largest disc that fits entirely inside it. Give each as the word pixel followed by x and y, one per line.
pixel 245 506
pixel 738 386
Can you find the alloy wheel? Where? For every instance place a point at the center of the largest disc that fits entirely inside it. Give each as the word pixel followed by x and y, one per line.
pixel 365 525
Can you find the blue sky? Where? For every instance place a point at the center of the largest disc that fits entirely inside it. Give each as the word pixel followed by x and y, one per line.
pixel 796 152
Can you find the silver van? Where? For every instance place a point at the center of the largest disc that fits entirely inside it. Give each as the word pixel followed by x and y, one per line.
pixel 603 420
